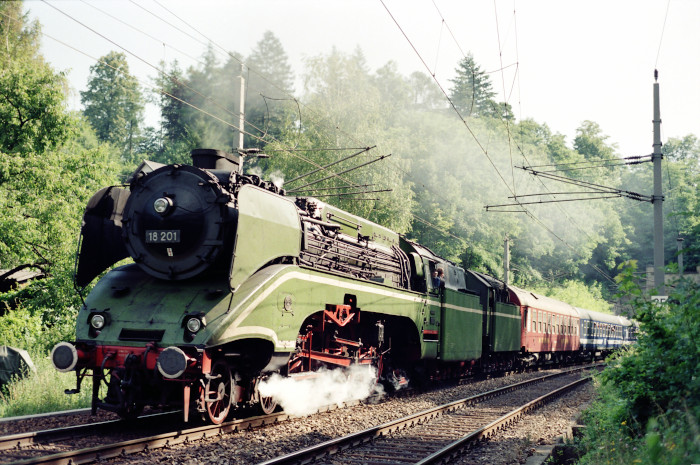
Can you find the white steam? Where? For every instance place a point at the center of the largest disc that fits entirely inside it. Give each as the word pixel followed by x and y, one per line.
pixel 277 178
pixel 327 387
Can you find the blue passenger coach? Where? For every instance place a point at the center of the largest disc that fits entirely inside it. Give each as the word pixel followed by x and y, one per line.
pixel 601 333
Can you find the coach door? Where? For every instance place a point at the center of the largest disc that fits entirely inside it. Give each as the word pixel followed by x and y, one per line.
pixel 431 314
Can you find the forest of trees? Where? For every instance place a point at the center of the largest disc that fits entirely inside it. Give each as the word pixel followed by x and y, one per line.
pixel 449 159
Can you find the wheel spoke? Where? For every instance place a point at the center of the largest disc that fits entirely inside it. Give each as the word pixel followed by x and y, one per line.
pixel 218 387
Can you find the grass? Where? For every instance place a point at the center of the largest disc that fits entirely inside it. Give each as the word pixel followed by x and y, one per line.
pixel 43 391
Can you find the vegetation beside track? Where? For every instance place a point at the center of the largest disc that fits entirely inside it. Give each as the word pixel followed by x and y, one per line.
pixel 42 391
pixel 648 411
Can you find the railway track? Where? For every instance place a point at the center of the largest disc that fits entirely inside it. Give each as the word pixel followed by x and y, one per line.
pixel 86 443
pixel 441 434
pixel 73 445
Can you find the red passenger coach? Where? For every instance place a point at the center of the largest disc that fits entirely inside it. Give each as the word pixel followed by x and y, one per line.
pixel 549 329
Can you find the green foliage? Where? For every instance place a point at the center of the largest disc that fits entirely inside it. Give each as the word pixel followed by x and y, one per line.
pixel 32 115
pixel 50 164
pixel 578 294
pixel 113 103
pixel 472 92
pixel 46 181
pixel 20 38
pixel 200 106
pixel 650 394
pixel 42 391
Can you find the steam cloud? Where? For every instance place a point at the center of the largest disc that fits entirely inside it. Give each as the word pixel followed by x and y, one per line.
pixel 277 178
pixel 330 387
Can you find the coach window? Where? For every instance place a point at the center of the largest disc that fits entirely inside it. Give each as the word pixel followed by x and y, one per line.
pixel 543 323
pixel 543 327
pixel 534 320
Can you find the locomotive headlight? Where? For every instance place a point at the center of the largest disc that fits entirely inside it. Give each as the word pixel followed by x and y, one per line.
pixel 194 325
pixel 97 321
pixel 162 205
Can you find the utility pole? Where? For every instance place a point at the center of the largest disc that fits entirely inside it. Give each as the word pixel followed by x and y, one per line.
pixel 241 123
pixel 506 260
pixel 679 242
pixel 658 198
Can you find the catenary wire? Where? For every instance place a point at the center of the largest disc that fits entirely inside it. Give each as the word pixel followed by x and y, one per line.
pixel 181 100
pixel 530 214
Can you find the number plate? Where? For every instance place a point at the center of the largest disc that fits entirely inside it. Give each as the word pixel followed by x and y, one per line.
pixel 163 236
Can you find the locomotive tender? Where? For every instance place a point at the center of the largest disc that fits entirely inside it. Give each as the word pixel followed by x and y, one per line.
pixel 232 281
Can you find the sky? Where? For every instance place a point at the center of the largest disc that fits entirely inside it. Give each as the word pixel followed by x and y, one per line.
pixel 557 62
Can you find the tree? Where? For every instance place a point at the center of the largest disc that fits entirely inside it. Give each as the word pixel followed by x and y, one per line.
pixel 471 93
pixel 113 103
pixel 425 93
pixel 591 142
pixel 32 113
pixel 20 39
pixel 172 92
pixel 50 164
pixel 270 85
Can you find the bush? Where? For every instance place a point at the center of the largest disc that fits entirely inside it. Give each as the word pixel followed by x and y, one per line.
pixel 43 391
pixel 649 396
pixel 26 329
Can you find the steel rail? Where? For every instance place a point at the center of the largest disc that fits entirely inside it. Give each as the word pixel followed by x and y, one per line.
pixel 20 440
pixel 455 449
pixel 97 453
pixel 60 413
pixel 93 454
pixel 333 446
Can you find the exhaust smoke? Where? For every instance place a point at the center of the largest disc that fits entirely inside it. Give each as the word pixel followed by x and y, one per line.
pixel 303 396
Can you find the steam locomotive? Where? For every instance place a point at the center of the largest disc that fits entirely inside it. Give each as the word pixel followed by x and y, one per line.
pixel 231 281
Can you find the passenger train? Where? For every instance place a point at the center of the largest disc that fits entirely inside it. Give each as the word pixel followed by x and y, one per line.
pixel 231 280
